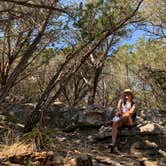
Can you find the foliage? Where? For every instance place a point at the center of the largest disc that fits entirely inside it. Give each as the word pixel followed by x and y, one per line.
pixel 62 51
pixel 97 17
pixel 141 67
pixel 23 39
pixel 153 16
pixel 41 139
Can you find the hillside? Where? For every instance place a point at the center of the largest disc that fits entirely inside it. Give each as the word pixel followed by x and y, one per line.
pixel 85 137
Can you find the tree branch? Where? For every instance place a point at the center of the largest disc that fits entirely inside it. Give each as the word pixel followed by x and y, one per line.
pixel 32 5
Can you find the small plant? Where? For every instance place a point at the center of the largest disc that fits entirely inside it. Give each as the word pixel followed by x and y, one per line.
pixel 41 138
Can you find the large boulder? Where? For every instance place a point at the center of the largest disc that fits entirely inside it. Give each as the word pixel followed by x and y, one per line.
pixel 148 127
pixel 61 116
pixel 72 117
pixel 90 118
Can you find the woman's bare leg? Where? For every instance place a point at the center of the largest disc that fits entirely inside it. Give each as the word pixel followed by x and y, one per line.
pixel 128 121
pixel 114 132
pixel 116 125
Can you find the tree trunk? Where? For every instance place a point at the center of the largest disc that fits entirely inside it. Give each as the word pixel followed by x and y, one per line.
pixel 95 82
pixel 24 60
pixel 44 102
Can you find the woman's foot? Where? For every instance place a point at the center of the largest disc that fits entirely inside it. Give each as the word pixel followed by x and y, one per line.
pixel 111 146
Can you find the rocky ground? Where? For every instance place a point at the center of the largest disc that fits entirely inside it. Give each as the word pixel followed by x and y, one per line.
pixel 80 136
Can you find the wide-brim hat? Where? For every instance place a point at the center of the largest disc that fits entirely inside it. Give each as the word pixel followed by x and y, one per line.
pixel 128 91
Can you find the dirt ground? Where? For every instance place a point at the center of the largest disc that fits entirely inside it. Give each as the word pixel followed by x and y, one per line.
pixel 54 147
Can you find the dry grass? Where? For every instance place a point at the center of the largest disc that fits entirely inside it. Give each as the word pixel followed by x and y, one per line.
pixel 16 149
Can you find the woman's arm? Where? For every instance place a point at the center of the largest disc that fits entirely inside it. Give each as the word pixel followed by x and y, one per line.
pixel 132 109
pixel 118 110
pixel 130 112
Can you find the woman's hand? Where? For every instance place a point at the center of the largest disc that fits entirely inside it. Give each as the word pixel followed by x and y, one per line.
pixel 126 114
pixel 118 113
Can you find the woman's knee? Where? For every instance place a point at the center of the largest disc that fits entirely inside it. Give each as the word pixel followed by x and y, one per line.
pixel 129 122
pixel 115 125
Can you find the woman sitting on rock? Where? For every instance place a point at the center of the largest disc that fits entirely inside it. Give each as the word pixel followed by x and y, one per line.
pixel 123 116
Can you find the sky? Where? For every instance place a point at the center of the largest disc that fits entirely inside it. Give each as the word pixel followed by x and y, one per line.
pixel 134 37
pixel 67 2
pixel 132 40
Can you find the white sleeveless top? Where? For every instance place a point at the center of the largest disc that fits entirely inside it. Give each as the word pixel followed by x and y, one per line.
pixel 125 107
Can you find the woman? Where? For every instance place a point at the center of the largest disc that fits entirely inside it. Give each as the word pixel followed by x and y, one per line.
pixel 125 110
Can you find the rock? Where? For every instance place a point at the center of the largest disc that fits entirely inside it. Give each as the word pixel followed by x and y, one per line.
pixel 149 128
pixel 81 160
pixel 90 119
pixel 140 119
pixel 40 157
pixel 20 153
pixel 104 132
pixel 151 144
pixel 109 114
pixel 71 162
pixel 163 153
pixel 107 160
pixel 148 163
pixel 104 129
pixel 61 117
pixel 58 160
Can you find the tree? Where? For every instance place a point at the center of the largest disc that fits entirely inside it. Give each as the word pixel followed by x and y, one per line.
pixel 151 69
pixel 145 73
pixel 60 79
pixel 26 30
pixel 153 16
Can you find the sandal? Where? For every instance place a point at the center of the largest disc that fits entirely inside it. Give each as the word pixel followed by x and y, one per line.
pixel 111 146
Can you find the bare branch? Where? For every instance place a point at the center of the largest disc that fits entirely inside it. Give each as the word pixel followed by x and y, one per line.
pixel 32 5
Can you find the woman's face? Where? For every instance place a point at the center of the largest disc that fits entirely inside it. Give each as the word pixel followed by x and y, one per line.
pixel 128 96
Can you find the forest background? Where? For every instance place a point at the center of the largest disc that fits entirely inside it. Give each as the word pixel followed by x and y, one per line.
pixel 64 51
pixel 61 60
